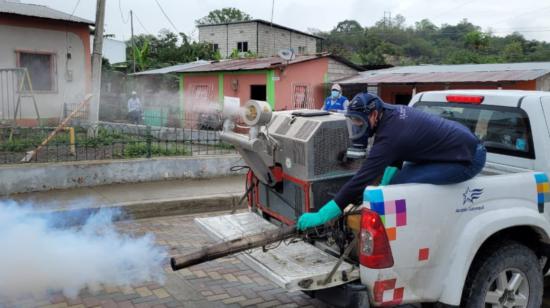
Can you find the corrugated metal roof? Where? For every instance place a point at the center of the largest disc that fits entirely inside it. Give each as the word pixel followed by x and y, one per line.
pixel 259 64
pixel 41 11
pixel 173 68
pixel 453 73
pixel 247 64
pixel 265 23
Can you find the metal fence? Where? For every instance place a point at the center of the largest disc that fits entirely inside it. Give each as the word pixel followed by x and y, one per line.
pixel 110 141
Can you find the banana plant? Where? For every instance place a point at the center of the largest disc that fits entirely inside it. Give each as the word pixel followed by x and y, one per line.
pixel 141 55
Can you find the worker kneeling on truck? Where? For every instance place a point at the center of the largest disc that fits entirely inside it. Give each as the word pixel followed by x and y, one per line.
pixel 433 150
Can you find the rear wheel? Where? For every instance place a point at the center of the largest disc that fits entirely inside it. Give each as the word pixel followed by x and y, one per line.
pixel 507 275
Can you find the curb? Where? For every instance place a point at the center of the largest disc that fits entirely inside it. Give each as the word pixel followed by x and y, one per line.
pixel 178 206
pixel 150 208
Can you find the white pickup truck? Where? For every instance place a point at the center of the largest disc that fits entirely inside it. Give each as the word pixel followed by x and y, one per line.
pixel 480 243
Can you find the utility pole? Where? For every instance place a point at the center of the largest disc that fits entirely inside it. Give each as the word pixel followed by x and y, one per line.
pixel 132 39
pixel 96 61
pixel 272 33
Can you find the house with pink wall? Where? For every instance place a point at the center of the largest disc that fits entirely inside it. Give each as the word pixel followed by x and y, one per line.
pixel 294 84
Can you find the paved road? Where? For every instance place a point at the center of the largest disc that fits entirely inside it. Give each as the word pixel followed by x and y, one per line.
pixel 225 282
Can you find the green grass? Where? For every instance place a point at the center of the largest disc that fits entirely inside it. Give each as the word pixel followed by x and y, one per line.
pixel 134 150
pixel 17 145
pixel 104 138
pixel 224 146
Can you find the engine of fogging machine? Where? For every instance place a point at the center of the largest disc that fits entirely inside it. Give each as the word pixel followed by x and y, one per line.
pixel 296 158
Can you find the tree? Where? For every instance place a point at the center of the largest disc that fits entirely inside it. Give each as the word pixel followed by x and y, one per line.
pixel 166 49
pixel 513 52
pixel 425 27
pixel 348 27
pixel 224 15
pixel 142 53
pixel 476 40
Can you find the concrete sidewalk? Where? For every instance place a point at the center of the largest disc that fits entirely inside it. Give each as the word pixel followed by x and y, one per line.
pixel 142 200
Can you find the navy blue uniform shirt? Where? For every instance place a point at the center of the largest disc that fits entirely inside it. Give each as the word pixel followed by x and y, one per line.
pixel 408 134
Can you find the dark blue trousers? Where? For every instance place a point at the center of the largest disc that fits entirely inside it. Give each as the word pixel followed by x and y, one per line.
pixel 441 173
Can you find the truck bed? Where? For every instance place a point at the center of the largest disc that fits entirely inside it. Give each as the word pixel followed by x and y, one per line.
pixel 295 266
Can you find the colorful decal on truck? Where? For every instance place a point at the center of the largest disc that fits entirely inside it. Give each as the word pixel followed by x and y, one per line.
pixel 386 294
pixel 392 213
pixel 543 190
pixel 423 254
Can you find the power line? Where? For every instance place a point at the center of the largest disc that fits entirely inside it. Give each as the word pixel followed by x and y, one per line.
pixel 124 20
pixel 165 15
pixel 141 24
pixel 74 9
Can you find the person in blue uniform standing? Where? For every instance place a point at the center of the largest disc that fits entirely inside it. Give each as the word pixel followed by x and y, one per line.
pixel 433 150
pixel 336 101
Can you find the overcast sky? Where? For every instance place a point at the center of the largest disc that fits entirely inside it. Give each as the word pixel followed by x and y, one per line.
pixel 529 17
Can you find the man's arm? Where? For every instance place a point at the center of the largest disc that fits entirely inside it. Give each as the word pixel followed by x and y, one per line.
pixel 380 156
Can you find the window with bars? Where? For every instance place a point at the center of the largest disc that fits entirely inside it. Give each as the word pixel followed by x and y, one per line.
pixel 301 96
pixel 200 92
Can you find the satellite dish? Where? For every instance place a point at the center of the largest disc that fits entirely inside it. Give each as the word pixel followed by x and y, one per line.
pixel 287 54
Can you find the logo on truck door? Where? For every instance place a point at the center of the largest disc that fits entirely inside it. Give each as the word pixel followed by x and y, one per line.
pixel 469 197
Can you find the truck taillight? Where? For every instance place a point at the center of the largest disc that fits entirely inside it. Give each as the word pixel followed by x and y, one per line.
pixel 375 251
pixel 465 99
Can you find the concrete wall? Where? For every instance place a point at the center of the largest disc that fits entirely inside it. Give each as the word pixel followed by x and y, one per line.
pixel 338 70
pixel 227 36
pixel 216 34
pixel 245 32
pixel 41 177
pixel 72 76
pixel 283 39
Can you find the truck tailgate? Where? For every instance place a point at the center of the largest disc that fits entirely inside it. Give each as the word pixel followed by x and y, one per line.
pixel 297 266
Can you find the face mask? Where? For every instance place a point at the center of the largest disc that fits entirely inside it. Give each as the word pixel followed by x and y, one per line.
pixel 359 130
pixel 334 94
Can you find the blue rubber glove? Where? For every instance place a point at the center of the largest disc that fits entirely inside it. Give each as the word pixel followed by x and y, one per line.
pixel 328 212
pixel 389 172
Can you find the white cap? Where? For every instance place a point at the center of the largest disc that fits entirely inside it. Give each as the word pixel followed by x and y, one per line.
pixel 336 87
pixel 134 93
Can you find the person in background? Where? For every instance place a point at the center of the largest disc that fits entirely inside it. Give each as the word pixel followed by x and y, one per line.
pixel 134 109
pixel 336 101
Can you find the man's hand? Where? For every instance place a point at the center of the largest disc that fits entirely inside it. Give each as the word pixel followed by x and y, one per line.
pixel 328 212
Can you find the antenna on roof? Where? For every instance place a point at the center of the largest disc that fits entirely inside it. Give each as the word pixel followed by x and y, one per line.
pixel 287 54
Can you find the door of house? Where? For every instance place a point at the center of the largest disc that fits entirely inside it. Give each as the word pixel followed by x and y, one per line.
pixel 258 92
